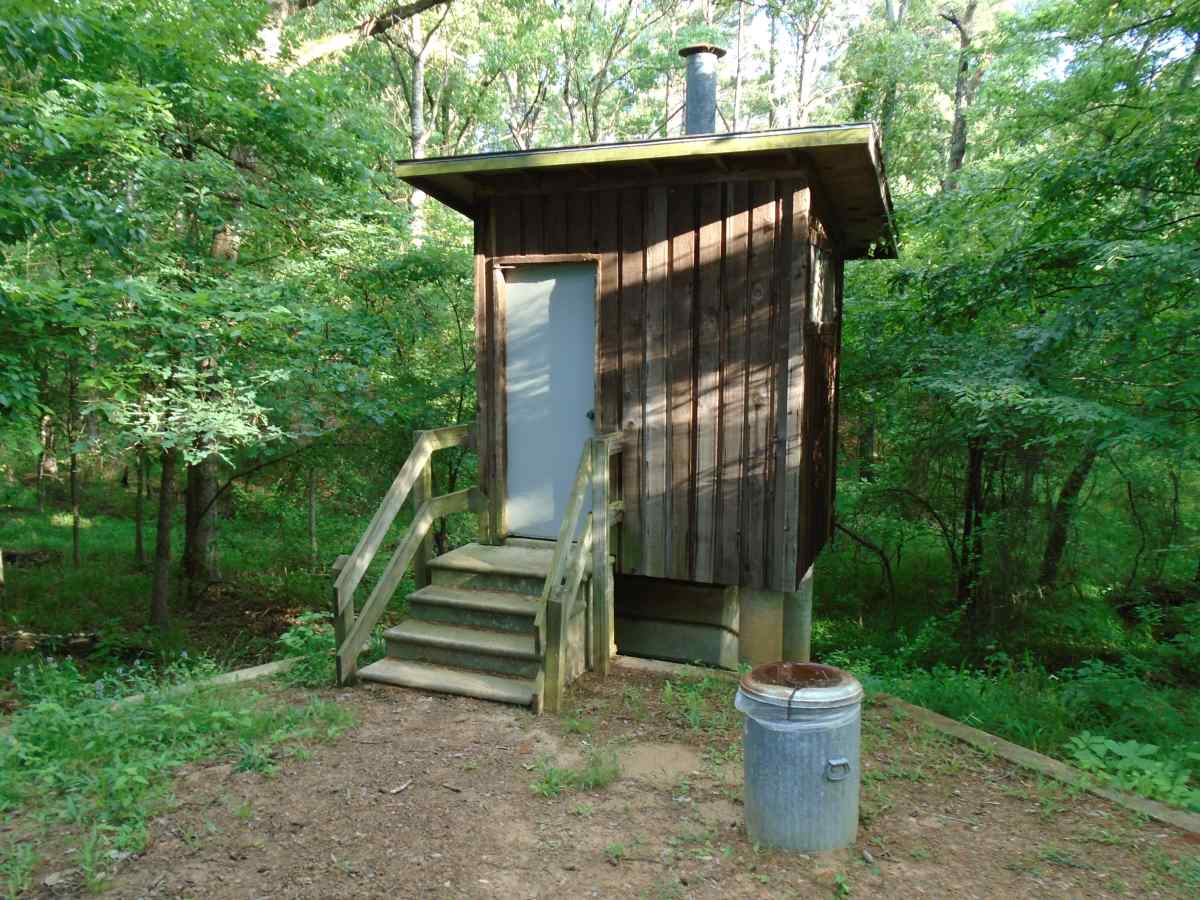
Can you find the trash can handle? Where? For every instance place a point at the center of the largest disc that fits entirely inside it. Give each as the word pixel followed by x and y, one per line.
pixel 837 769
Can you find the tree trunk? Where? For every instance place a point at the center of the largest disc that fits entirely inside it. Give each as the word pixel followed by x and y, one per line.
pixel 312 519
pixel 419 47
pixel 416 124
pixel 202 491
pixel 737 70
pixel 75 510
pixel 139 510
pixel 802 42
pixel 772 66
pixel 1173 525
pixel 47 440
pixel 160 595
pixel 191 511
pixel 72 435
pixel 1060 519
pixel 1136 515
pixel 866 447
pixel 41 466
pixel 972 537
pixel 963 93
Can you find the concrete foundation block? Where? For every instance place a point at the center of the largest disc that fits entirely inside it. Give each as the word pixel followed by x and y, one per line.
pixel 677 620
pixel 797 621
pixel 761 630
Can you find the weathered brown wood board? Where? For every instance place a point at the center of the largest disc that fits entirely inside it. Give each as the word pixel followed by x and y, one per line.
pixel 712 360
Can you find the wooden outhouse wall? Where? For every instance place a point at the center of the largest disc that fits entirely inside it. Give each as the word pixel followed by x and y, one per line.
pixel 718 334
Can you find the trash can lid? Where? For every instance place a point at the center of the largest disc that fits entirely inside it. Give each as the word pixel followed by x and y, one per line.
pixel 801 686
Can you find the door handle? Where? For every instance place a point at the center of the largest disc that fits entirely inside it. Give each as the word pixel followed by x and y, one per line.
pixel 591 414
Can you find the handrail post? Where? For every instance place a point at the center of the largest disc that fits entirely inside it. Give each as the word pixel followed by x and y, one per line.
pixel 343 621
pixel 555 679
pixel 602 580
pixel 422 491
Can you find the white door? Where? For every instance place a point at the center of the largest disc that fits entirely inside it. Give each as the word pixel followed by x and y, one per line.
pixel 550 319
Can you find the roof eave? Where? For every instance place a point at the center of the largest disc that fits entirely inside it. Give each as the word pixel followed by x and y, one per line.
pixel 450 179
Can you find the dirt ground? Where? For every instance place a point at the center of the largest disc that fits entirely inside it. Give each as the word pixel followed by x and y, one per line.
pixel 432 796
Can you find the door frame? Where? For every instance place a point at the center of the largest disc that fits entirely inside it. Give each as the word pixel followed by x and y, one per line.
pixel 499 435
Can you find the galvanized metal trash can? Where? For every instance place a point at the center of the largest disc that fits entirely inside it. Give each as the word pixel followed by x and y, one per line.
pixel 801 745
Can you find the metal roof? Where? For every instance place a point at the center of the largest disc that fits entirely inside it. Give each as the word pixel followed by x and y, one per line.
pixel 845 159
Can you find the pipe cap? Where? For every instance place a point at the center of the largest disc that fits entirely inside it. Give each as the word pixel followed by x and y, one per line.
pixel 703 48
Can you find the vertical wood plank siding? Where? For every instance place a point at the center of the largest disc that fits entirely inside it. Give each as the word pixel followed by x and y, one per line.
pixel 631 268
pixel 712 358
pixel 681 421
pixel 485 383
pixel 656 426
pixel 709 261
pixel 734 357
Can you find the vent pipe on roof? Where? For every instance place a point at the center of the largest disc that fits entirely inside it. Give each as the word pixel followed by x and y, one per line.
pixel 700 110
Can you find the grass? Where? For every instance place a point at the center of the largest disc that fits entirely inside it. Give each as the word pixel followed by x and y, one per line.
pixel 600 769
pixel 702 704
pixel 16 868
pixel 577 724
pixel 77 753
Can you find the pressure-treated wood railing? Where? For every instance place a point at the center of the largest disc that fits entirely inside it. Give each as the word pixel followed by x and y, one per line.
pixel 577 552
pixel 352 630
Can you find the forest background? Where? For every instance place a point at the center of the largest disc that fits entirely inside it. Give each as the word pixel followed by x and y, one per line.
pixel 223 318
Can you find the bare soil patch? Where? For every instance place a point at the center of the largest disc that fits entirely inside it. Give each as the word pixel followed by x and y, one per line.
pixel 432 796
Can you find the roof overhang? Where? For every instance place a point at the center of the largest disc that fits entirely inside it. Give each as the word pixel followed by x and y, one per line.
pixel 845 160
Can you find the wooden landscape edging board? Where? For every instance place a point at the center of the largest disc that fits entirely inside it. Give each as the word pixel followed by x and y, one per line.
pixel 1031 759
pixel 253 673
pixel 1014 753
pixel 266 670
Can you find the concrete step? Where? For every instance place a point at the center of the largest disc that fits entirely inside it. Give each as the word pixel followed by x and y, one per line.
pixel 518 568
pixel 463 647
pixel 499 610
pixel 426 677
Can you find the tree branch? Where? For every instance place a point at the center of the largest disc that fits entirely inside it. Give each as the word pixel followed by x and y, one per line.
pixel 878 551
pixel 311 51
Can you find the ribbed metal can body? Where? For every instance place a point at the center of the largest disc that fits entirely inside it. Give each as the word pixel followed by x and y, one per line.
pixel 802 771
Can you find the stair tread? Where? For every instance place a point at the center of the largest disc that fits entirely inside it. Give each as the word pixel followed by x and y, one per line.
pixel 475 599
pixel 427 677
pixel 506 559
pixel 461 637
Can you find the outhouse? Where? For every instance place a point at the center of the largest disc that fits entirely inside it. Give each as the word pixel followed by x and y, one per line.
pixel 657 320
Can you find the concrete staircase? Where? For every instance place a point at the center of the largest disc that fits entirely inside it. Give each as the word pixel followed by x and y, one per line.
pixel 471 631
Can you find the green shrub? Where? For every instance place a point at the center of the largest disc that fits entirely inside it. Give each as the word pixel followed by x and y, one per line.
pixel 1138 767
pixel 311 642
pixel 1182 652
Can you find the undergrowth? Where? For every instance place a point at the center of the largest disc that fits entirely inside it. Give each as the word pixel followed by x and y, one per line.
pixel 1115 720
pixel 312 644
pixel 90 754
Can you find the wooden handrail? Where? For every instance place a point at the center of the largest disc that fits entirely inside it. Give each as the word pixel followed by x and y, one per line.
pixel 351 631
pixel 572 559
pixel 570 521
pixel 435 508
pixel 368 545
